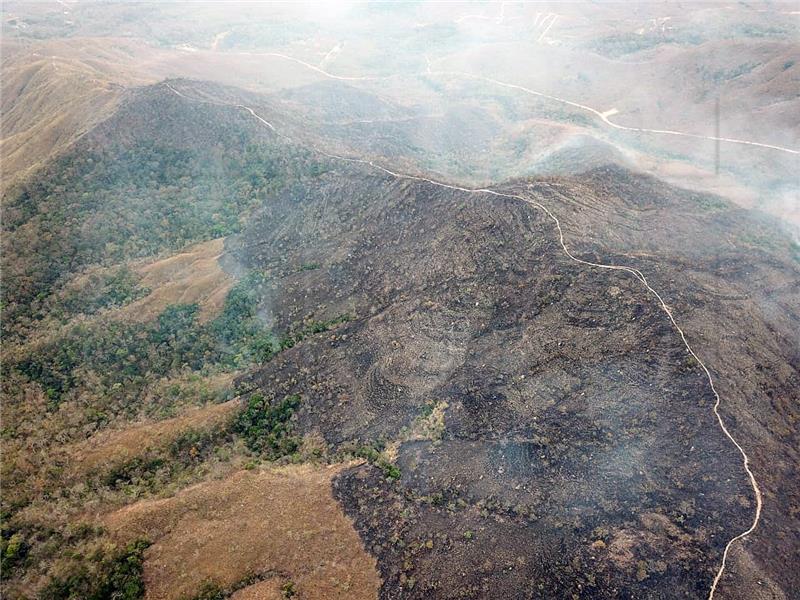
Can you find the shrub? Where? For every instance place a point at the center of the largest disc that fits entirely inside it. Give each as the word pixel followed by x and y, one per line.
pixel 118 576
pixel 211 591
pixel 12 553
pixel 288 590
pixel 375 458
pixel 266 428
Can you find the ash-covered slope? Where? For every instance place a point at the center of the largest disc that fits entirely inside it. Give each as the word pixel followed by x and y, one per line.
pixel 554 436
pixel 734 278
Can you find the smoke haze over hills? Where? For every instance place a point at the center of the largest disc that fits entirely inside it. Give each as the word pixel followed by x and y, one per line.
pixel 400 300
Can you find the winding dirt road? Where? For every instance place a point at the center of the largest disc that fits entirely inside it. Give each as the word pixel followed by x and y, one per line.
pixel 602 115
pixel 630 270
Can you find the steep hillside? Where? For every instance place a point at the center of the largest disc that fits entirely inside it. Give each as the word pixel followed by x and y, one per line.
pixel 574 442
pixel 478 414
pixel 122 337
pixel 735 277
pixel 158 175
pixel 54 92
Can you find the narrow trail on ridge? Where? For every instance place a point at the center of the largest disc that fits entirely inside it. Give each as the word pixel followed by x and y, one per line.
pixel 631 270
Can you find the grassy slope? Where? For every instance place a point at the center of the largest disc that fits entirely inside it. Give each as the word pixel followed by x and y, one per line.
pixel 93 340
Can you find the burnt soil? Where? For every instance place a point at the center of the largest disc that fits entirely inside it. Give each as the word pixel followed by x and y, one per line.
pixel 579 456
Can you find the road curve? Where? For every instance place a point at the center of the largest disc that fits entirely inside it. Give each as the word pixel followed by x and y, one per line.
pixel 631 270
pixel 603 116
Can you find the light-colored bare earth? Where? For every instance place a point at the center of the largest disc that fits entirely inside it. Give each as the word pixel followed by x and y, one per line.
pixel 281 523
pixel 192 276
pixel 218 39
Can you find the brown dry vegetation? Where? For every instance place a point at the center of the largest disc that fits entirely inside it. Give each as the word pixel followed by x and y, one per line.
pixel 55 90
pixel 112 447
pixel 192 276
pixel 59 103
pixel 269 589
pixel 530 418
pixel 40 456
pixel 279 522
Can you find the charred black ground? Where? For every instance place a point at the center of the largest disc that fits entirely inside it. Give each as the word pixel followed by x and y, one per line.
pixel 578 451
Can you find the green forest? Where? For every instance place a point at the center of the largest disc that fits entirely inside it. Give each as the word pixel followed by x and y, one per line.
pixel 107 204
pixel 71 233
